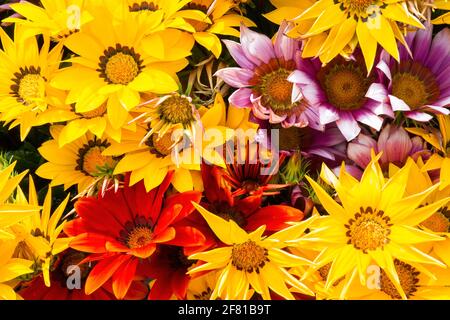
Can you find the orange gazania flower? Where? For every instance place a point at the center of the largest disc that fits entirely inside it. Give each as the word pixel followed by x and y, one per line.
pixel 122 228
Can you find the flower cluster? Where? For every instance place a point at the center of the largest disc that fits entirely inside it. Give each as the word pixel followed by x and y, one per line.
pixel 171 149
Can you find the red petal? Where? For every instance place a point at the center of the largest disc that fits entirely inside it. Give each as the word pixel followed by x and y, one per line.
pixel 144 252
pixel 103 271
pixel 186 236
pixel 122 279
pixel 166 235
pixel 184 199
pixel 157 202
pixel 274 217
pixel 250 204
pixel 168 215
pixel 180 282
pixel 90 242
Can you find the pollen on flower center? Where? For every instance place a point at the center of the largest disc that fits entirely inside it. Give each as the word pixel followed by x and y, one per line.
pixel 368 230
pixel 176 109
pixel 92 162
pixel 249 256
pixel 359 7
pixel 161 146
pixel 139 237
pixel 120 65
pixel 276 90
pixel 409 279
pixel 345 85
pixel 438 222
pixel 29 85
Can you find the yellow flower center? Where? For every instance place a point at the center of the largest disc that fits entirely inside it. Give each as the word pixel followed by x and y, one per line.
pixel 276 90
pixel 249 256
pixel 143 6
pixel 91 161
pixel 345 85
pixel 121 68
pixel 414 84
pixel 162 145
pixel 438 222
pixel 368 230
pixel 361 8
pixel 409 279
pixel 32 88
pixel 120 65
pixel 139 237
pixel 176 109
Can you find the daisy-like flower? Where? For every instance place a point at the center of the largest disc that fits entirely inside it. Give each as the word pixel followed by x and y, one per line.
pixel 61 270
pixel 26 72
pixel 37 238
pixel 121 228
pixel 58 19
pixel 150 155
pixel 114 69
pixel 418 84
pixel 263 78
pixel 78 163
pixel 220 20
pixel 348 22
pixel 250 261
pixel 250 169
pixel 341 92
pixel 375 222
pixel 440 140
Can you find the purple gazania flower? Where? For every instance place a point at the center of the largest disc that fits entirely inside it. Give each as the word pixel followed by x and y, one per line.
pixel 394 143
pixel 419 84
pixel 262 78
pixel 341 92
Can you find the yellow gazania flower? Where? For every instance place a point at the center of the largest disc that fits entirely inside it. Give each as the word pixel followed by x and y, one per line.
pixel 417 283
pixel 220 22
pixel 338 24
pixel 161 14
pixel 114 67
pixel 250 260
pixel 441 141
pixel 77 163
pixel 373 223
pixel 10 212
pixel 10 269
pixel 25 74
pixel 149 156
pixel 36 237
pixel 58 19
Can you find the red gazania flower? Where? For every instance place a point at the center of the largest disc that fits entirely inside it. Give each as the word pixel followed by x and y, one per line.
pixel 59 289
pixel 122 228
pixel 250 174
pixel 246 212
pixel 168 267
